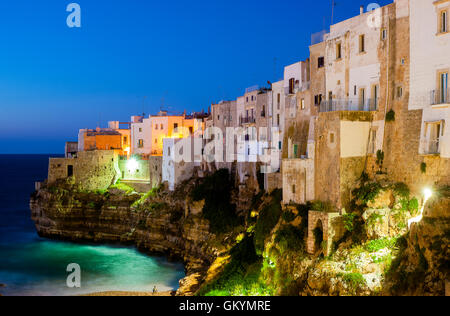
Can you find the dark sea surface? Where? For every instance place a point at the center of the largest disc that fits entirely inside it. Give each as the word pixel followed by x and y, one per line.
pixel 30 265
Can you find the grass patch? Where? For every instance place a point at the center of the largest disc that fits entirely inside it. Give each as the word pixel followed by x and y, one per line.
pixel 378 244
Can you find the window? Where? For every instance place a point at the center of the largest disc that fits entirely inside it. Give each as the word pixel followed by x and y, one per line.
pixel 218 117
pixel 302 104
pixel 291 85
pixel 278 119
pixel 362 43
pixel 375 95
pixel 162 126
pixel 362 97
pixel 156 126
pixel 191 130
pixel 279 145
pixel 399 92
pixel 443 88
pixel 338 51
pixel 125 140
pixel 175 127
pixel 156 140
pixel 168 151
pixel 279 101
pixel 293 189
pixel 69 171
pixel 321 62
pixel 140 143
pixel 355 88
pixel 383 34
pixel 444 22
pixel 140 130
pixel 331 138
pixel 433 131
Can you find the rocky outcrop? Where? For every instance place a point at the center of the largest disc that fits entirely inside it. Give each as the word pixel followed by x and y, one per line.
pixel 423 268
pixel 156 225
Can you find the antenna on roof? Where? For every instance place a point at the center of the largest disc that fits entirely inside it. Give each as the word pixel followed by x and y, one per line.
pixel 333 4
pixel 143 105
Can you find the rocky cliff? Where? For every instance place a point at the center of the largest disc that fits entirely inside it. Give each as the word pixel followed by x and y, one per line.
pixel 158 223
pixel 262 251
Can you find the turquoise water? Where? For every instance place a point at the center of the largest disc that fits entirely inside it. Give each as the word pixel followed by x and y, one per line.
pixel 30 265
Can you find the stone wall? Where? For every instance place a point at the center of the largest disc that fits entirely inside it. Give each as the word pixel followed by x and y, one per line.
pixel 298 180
pixel 92 170
pixel 402 137
pixel 332 228
pixel 155 166
pixel 139 172
pixel 327 164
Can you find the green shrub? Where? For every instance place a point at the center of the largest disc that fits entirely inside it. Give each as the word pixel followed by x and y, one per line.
pixel 288 216
pixel 268 218
pixel 290 238
pixel 402 190
pixel 423 167
pixel 349 221
pixel 367 192
pixel 390 116
pixel 354 280
pixel 374 218
pixel 378 244
pixel 241 276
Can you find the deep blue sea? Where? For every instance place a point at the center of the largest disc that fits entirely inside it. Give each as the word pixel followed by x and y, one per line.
pixel 30 265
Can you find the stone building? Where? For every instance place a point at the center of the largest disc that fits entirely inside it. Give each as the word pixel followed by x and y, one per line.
pixel 91 170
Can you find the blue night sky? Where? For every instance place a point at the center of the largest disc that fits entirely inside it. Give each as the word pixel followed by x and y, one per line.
pixel 55 80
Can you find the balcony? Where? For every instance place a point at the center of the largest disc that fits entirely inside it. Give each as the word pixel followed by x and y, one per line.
pixel 438 97
pixel 247 120
pixel 367 105
pixel 431 147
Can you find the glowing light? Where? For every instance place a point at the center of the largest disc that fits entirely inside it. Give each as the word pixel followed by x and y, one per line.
pixel 132 165
pixel 427 193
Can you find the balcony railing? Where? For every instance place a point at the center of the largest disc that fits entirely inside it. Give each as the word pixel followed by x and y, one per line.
pixel 349 105
pixel 440 96
pixel 247 120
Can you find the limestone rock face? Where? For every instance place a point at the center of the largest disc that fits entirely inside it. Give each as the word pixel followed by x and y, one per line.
pixel 113 218
pixel 424 266
pixel 377 223
pixel 383 200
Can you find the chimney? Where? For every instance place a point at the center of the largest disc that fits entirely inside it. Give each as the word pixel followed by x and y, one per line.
pixel 361 10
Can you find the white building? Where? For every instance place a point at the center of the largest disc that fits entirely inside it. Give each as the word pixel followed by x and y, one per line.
pixel 430 67
pixel 141 135
pixel 180 157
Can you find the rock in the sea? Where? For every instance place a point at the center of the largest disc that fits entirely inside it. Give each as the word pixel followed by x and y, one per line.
pixel 2 285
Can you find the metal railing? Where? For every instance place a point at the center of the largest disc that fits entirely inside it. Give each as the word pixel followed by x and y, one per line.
pixel 440 97
pixel 247 120
pixel 367 105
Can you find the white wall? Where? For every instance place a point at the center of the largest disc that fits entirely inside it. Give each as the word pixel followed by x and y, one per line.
pixel 145 134
pixel 429 52
pixel 354 138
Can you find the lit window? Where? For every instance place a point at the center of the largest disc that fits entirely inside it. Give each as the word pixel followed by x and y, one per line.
pixel 140 143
